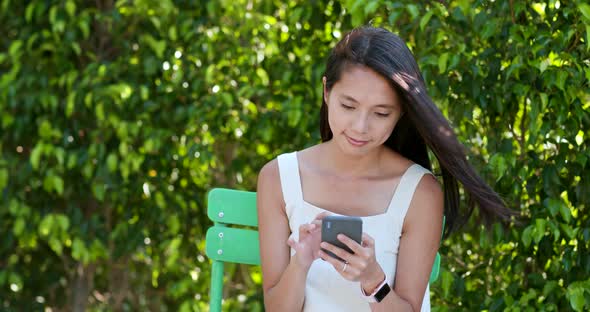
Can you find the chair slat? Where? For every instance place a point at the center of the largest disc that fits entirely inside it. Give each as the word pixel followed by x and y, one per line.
pixel 435 269
pixel 233 245
pixel 232 207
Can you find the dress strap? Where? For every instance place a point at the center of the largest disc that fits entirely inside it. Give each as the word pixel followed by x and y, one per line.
pixel 290 180
pixel 405 190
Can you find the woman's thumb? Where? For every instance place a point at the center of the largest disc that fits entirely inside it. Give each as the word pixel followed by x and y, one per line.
pixel 291 243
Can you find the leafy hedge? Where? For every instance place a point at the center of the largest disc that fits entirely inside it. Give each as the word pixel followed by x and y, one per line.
pixel 117 117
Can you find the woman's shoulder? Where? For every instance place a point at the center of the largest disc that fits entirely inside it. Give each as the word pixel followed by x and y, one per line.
pixel 269 185
pixel 270 171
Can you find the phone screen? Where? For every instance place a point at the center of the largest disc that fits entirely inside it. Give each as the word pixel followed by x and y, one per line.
pixel 334 225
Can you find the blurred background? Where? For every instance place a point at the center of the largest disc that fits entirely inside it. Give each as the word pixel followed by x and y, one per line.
pixel 117 117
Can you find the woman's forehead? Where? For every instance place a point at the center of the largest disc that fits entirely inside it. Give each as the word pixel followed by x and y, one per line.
pixel 362 84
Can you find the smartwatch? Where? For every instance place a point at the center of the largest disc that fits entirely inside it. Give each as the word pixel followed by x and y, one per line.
pixel 379 293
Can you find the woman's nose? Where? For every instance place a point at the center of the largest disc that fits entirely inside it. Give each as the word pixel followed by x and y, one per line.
pixel 361 123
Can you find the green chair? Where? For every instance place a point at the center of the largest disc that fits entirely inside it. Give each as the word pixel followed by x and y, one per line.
pixel 227 208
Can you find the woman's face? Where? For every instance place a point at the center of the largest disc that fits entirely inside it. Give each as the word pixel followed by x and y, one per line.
pixel 363 109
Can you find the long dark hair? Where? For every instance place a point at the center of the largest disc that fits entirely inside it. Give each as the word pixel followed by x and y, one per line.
pixel 422 125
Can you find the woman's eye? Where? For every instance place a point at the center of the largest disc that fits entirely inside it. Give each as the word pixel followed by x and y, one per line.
pixel 346 106
pixel 382 114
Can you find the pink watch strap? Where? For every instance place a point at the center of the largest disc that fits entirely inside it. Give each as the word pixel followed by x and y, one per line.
pixel 371 297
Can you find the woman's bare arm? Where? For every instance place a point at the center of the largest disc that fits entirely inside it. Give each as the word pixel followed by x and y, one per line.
pixel 283 280
pixel 418 245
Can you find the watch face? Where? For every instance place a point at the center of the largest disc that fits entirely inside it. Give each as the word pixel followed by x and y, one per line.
pixel 382 292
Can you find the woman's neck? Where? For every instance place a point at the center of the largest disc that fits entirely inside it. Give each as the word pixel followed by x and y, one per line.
pixel 351 166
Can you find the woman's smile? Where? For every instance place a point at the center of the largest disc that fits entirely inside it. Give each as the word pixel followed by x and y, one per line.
pixel 355 142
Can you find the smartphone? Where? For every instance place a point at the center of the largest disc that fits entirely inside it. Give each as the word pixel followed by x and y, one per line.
pixel 334 225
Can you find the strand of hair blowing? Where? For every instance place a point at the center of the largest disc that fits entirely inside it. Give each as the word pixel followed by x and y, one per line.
pixel 422 126
pixel 436 133
pixel 441 139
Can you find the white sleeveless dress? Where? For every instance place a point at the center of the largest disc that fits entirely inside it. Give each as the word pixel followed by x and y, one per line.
pixel 325 289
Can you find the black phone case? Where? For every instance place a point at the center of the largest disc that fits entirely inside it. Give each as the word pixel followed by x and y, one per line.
pixel 334 225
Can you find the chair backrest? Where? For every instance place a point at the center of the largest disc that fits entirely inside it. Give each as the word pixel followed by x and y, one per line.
pixel 230 244
pixel 227 243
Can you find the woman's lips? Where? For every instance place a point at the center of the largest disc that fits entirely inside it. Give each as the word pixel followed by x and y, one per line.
pixel 355 142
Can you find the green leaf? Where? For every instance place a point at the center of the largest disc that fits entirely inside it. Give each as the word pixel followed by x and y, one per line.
pixel 62 221
pixel 29 11
pixel 585 9
pixel 3 179
pixel 261 73
pixel 447 282
pixel 70 102
pixel 553 205
pixel 576 297
pixel 112 161
pixel 97 250
pixel 98 189
pixel 45 129
pixel 565 212
pixel 7 119
pixel 442 62
pixel 46 225
pixel 555 230
pixel 99 111
pixel 58 184
pixel 14 207
pixel 371 7
pixel 544 100
pixel 569 231
pixel 526 236
pixel 413 10
pixel 549 287
pixel 172 33
pixel 498 163
pixel 19 226
pixel 15 48
pixel 56 245
pixel 539 8
pixel 36 155
pixel 358 18
pixel 560 79
pixel 539 232
pixel 76 48
pixel 425 19
pixel 71 8
pixel 158 46
pixel 79 251
pixel 83 26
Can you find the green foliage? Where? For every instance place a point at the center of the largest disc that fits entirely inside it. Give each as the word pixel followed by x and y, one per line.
pixel 116 117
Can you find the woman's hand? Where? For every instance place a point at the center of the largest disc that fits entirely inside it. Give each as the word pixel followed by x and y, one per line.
pixel 360 266
pixel 306 249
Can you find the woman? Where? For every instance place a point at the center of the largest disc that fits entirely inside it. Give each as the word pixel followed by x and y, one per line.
pixel 377 123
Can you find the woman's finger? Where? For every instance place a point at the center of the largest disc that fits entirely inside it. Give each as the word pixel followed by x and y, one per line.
pixel 322 215
pixel 291 242
pixel 346 269
pixel 307 227
pixel 368 241
pixel 343 254
pixel 352 244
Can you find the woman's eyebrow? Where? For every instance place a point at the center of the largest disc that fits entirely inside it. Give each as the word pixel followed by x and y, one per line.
pixel 350 98
pixel 385 106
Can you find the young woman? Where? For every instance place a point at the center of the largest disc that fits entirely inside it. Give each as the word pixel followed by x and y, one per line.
pixel 377 123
